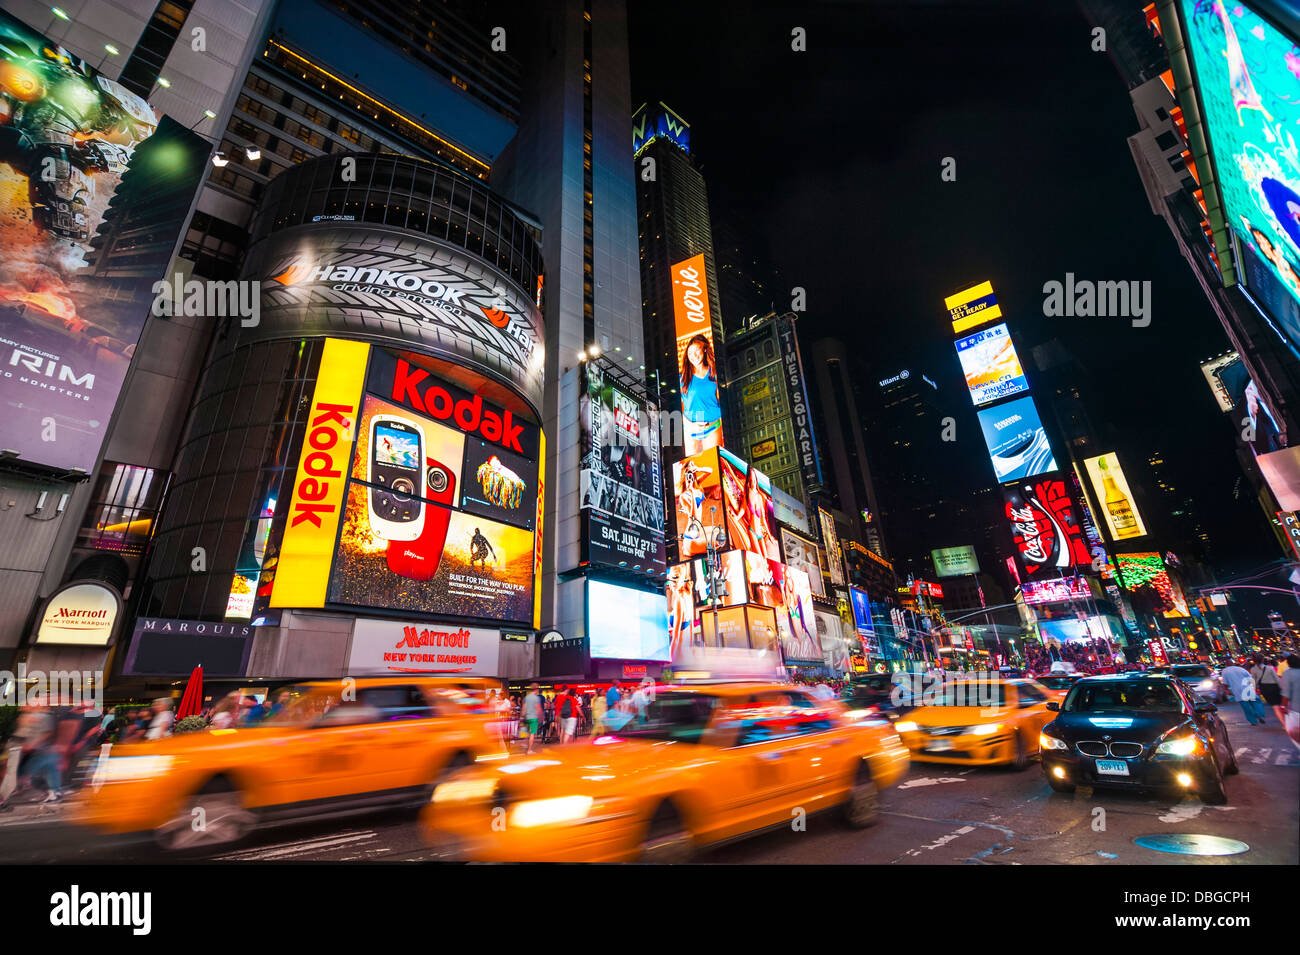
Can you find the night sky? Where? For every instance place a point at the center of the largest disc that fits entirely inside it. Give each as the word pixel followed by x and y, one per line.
pixel 834 156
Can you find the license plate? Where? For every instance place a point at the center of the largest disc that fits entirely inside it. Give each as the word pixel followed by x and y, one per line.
pixel 1112 767
pixel 938 746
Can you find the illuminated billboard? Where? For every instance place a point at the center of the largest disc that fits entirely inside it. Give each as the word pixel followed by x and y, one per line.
pixel 788 592
pixel 659 122
pixel 696 363
pixel 1112 493
pixel 85 167
pixel 700 513
pixel 729 572
pixel 802 554
pixel 991 366
pixel 955 561
pixel 1246 76
pixel 972 307
pixel 751 513
pixel 624 623
pixel 1016 440
pixel 411 494
pixel 621 481
pixel 831 541
pixel 1056 589
pixel 1045 526
pixel 682 619
pixel 1214 377
pixel 1252 417
pixel 1147 572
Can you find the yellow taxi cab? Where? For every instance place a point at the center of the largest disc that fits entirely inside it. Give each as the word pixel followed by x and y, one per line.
pixel 978 723
pixel 709 763
pixel 337 747
pixel 1058 685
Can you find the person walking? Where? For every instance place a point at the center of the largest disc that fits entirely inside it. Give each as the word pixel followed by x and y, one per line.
pixel 532 714
pixel 225 712
pixel 1242 685
pixel 32 753
pixel 566 710
pixel 161 724
pixel 599 705
pixel 1289 685
pixel 1264 673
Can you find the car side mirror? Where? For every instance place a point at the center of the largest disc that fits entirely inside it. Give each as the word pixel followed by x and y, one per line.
pixel 1205 706
pixel 1054 706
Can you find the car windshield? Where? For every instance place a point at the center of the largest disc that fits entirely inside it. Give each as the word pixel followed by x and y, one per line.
pixel 1123 695
pixel 967 694
pixel 306 704
pixel 677 716
pixel 1191 672
pixel 1058 682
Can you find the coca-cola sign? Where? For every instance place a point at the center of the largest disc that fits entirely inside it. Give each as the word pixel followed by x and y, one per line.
pixel 1045 526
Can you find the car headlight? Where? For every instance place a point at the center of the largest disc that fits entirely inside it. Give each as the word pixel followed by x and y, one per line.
pixel 1182 746
pixel 549 812
pixel 465 790
pixel 906 726
pixel 1050 742
pixel 121 768
pixel 985 729
pixel 1205 685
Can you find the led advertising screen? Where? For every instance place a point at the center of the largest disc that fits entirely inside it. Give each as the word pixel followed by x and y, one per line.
pixel 751 513
pixel 991 366
pixel 1016 439
pixel 696 363
pixel 955 561
pixel 861 604
pixel 625 623
pixel 621 481
pixel 701 515
pixel 1245 72
pixel 85 165
pixel 1045 526
pixel 1111 491
pixel 730 570
pixel 1213 376
pixel 802 554
pixel 1251 414
pixel 1056 589
pixel 787 591
pixel 683 623
pixel 831 540
pixel 972 307
pixel 830 631
pixel 1147 571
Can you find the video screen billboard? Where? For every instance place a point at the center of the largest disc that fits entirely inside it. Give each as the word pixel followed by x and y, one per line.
pixel 751 513
pixel 991 366
pixel 730 570
pixel 830 632
pixel 1245 71
pixel 1147 571
pixel 972 307
pixel 1213 376
pixel 955 561
pixel 1045 526
pixel 701 515
pixel 85 165
pixel 1016 439
pixel 1111 490
pixel 1056 589
pixel 831 541
pixel 1253 419
pixel 696 363
pixel 438 510
pixel 802 554
pixel 624 623
pixel 621 481
pixel 683 622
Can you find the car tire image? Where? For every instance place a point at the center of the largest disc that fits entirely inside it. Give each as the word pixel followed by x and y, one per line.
pixel 667 841
pixel 226 820
pixel 1232 768
pixel 1213 793
pixel 861 808
pixel 1020 759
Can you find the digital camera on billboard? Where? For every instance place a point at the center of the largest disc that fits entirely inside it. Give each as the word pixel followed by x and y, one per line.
pixel 419 559
pixel 397 481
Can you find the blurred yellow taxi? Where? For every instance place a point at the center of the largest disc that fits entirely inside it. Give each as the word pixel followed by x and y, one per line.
pixel 978 723
pixel 709 763
pixel 337 747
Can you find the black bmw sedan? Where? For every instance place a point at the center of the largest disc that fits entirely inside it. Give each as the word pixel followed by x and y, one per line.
pixel 1137 731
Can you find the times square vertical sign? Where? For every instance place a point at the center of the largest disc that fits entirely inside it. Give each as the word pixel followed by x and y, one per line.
pixel 792 366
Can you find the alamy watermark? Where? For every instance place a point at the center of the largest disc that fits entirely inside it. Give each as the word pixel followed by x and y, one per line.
pixel 1084 298
pixel 206 299
pixel 31 688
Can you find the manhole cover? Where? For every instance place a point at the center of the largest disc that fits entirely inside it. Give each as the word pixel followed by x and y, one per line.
pixel 1192 844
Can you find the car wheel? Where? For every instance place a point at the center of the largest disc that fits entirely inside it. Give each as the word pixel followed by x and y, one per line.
pixel 214 817
pixel 667 841
pixel 1232 768
pixel 861 808
pixel 1213 793
pixel 1021 758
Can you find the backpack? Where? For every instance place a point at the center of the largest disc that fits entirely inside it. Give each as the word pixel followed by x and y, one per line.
pixel 566 709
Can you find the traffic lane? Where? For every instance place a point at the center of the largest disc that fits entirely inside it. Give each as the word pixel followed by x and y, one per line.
pixel 948 815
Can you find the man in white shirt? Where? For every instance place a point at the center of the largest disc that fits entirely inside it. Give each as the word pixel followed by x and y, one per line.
pixel 1242 685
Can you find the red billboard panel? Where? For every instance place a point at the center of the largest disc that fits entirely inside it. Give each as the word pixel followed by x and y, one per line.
pixel 1045 526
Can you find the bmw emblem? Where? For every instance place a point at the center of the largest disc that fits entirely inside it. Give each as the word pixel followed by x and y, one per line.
pixel 1106 738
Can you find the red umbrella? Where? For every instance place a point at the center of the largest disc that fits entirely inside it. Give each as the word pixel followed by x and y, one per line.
pixel 192 699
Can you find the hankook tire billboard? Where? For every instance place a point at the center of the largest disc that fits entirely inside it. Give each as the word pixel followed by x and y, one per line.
pixel 377 283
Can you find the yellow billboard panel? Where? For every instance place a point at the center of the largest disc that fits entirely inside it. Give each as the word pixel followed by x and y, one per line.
pixel 973 307
pixel 696 365
pixel 307 549
pixel 1114 498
